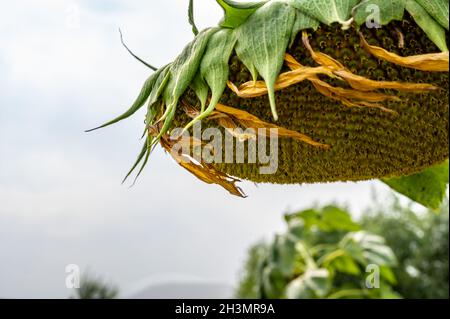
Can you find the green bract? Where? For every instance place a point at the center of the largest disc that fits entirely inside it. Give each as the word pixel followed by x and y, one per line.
pixel 259 35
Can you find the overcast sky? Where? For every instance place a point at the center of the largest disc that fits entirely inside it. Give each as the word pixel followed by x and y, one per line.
pixel 63 70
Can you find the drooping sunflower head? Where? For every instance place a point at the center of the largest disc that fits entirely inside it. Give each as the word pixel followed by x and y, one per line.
pixel 345 90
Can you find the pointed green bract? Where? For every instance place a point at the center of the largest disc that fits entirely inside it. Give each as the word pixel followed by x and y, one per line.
pixel 139 102
pixel 182 72
pixel 153 100
pixel 214 67
pixel 191 17
pixel 327 11
pixel 139 159
pixel 380 11
pixel 236 13
pixel 427 188
pixel 434 30
pixel 302 22
pixel 438 9
pixel 201 90
pixel 262 43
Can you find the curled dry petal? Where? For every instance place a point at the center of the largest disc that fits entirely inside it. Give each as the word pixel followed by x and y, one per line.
pixel 431 62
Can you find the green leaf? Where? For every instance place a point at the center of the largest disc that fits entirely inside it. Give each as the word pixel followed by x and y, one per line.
pixel 139 102
pixel 434 30
pixel 327 11
pixel 182 72
pixel 214 68
pixel 262 43
pixel 329 219
pixel 336 219
pixel 388 10
pixel 388 275
pixel 302 22
pixel 310 217
pixel 427 188
pixel 314 283
pixel 236 13
pixel 154 108
pixel 283 254
pixel 438 9
pixel 368 249
pixel 201 89
pixel 191 17
pixel 142 154
pixel 346 265
pixel 273 282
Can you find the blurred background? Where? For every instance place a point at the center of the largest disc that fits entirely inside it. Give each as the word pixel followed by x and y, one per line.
pixel 63 70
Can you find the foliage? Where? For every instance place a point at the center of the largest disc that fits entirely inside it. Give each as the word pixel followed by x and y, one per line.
pixel 421 244
pixel 323 254
pixel 95 288
pixel 427 188
pixel 259 32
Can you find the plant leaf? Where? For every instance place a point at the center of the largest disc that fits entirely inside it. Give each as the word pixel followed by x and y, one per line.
pixel 427 188
pixel 214 68
pixel 182 72
pixel 160 84
pixel 283 254
pixel 434 30
pixel 139 102
pixel 272 282
pixel 142 154
pixel 134 55
pixel 191 17
pixel 389 10
pixel 302 22
pixel 201 89
pixel 314 283
pixel 236 13
pixel 262 43
pixel 327 11
pixel 438 9
pixel 367 248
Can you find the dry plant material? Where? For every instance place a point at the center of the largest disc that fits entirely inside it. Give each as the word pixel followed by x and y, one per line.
pixel 431 62
pixel 227 117
pixel 203 171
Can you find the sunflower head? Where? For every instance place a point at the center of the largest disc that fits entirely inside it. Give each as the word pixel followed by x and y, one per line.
pixel 342 90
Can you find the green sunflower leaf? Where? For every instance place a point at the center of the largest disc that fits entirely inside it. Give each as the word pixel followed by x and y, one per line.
pixel 236 13
pixel 158 88
pixel 381 11
pixel 191 17
pixel 139 102
pixel 182 72
pixel 214 67
pixel 434 30
pixel 201 89
pixel 302 22
pixel 142 154
pixel 427 188
pixel 438 9
pixel 262 43
pixel 327 11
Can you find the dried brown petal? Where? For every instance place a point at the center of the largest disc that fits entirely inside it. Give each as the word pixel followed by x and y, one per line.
pixel 432 62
